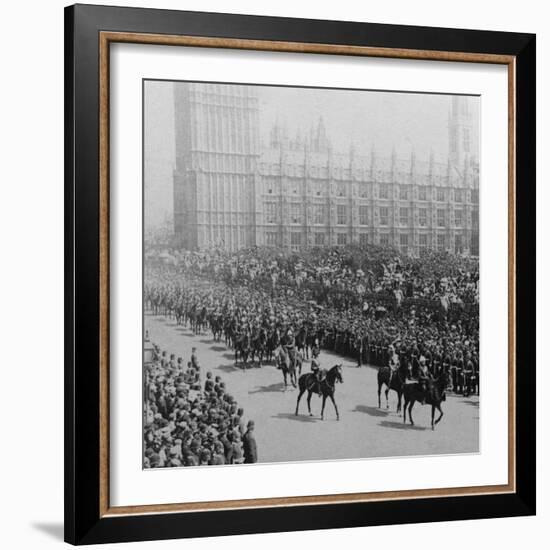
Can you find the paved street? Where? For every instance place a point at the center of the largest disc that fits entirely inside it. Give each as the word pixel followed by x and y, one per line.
pixel 363 431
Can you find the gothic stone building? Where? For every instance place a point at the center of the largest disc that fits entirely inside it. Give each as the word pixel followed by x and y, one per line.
pixel 231 191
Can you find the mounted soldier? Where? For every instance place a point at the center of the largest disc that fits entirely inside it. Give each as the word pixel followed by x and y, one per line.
pixel 320 374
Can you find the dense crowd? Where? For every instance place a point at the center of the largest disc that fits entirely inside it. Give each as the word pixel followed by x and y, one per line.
pixel 328 274
pixel 190 421
pixel 413 308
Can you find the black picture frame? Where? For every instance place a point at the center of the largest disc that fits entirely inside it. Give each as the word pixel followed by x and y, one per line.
pixel 84 523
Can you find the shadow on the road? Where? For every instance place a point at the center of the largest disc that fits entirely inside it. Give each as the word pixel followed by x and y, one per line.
pixel 299 418
pixel 231 367
pixel 468 402
pixel 277 387
pixel 372 411
pixel 218 348
pixel 401 426
pixel 206 341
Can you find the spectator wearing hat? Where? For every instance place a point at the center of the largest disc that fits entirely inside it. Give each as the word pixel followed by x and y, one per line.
pixel 249 444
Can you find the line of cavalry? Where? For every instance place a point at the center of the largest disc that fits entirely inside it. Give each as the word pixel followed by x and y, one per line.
pixel 288 352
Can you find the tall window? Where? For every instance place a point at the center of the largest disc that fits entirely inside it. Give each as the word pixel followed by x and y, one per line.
pixel 404 243
pixel 363 239
pixel 295 213
pixel 440 194
pixel 440 217
pixel 422 193
pixel 474 245
pixel 458 218
pixel 363 190
pixel 363 214
pixel 422 242
pixel 319 214
pixel 341 214
pixel 404 216
pixel 423 217
pixel 271 212
pixel 384 239
pixel 466 140
pixel 404 192
pixel 341 238
pixel 272 238
pixel 384 191
pixel 319 239
pixel 317 188
pixel 454 140
pixel 295 240
pixel 475 218
pixel 474 193
pixel 441 243
pixel 341 189
pixel 459 195
pixel 383 215
pixel 271 185
pixel 458 244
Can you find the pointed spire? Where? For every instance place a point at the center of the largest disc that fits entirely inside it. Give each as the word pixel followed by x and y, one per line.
pixel 393 158
pixel 372 159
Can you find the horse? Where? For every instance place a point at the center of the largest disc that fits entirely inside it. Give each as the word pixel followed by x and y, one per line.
pixel 192 316
pixel 287 365
pixel 259 346
pixel 310 383
pixel 469 383
pixel 297 358
pixel 273 342
pixel 200 320
pixel 301 340
pixel 433 395
pixel 393 380
pixel 229 332
pixel 242 348
pixel 310 342
pixel 216 326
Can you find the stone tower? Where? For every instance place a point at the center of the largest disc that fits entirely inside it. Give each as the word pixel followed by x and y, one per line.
pixel 462 147
pixel 215 179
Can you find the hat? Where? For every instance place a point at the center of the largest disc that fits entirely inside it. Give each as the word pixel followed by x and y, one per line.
pixel 250 424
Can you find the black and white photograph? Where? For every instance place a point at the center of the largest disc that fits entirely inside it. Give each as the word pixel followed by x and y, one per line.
pixel 311 274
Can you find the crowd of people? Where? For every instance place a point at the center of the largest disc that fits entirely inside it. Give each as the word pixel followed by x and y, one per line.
pixel 370 304
pixel 339 275
pixel 191 420
pixel 400 306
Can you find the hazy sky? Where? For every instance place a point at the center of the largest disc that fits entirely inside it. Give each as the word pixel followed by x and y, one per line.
pixel 364 118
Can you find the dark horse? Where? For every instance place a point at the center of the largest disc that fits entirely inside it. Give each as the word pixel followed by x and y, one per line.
pixel 216 326
pixel 310 383
pixel 286 364
pixel 393 380
pixel 301 341
pixel 433 393
pixel 242 348
pixel 259 346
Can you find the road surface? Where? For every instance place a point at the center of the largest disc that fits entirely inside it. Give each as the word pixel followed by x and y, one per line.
pixel 363 431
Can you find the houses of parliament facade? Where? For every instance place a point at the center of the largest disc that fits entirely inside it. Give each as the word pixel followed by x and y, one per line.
pixel 232 191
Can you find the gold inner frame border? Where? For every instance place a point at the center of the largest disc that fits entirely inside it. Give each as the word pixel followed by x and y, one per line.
pixel 105 39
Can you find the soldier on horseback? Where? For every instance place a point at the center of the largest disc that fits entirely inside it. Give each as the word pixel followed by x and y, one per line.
pixel 320 374
pixel 424 377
